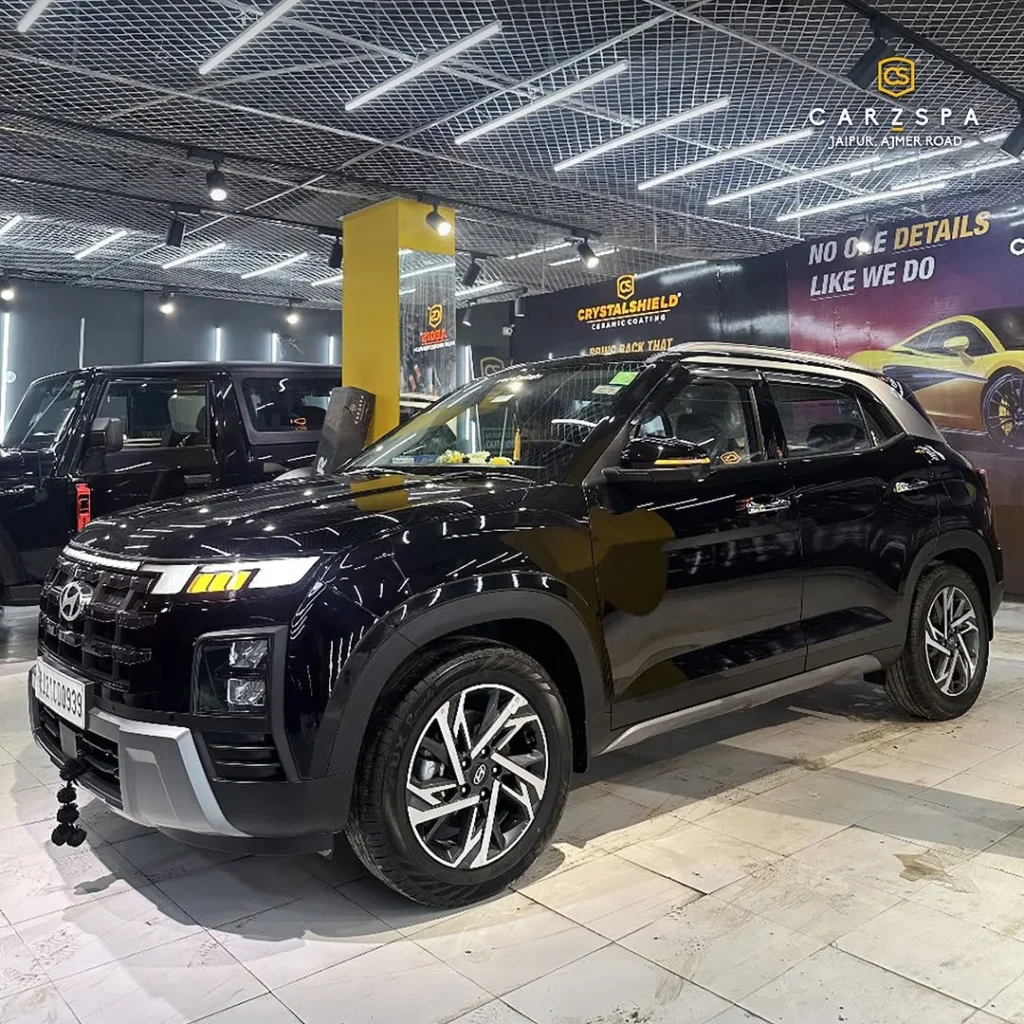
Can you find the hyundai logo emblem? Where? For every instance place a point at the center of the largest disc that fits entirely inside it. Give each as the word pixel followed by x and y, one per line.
pixel 480 774
pixel 74 599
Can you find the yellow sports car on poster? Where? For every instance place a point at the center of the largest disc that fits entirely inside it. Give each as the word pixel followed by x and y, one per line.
pixel 967 372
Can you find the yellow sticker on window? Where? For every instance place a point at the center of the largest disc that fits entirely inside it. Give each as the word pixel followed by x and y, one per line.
pixel 730 458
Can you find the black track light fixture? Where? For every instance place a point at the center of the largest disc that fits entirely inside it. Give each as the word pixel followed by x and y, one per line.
pixel 436 222
pixel 175 232
pixel 292 317
pixel 865 69
pixel 865 243
pixel 6 289
pixel 519 305
pixel 588 257
pixel 216 183
pixel 471 274
pixel 1014 142
pixel 467 316
pixel 334 260
pixel 166 305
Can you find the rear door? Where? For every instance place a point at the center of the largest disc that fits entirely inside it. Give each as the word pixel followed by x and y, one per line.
pixel 867 501
pixel 699 572
pixel 167 450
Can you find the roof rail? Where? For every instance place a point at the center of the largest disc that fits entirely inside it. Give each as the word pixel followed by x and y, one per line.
pixel 781 355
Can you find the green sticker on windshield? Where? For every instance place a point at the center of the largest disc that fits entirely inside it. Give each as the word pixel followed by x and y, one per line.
pixel 624 377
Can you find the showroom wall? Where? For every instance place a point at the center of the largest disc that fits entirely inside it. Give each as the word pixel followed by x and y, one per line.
pixel 127 327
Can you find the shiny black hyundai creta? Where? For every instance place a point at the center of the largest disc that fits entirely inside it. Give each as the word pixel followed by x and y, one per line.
pixel 551 563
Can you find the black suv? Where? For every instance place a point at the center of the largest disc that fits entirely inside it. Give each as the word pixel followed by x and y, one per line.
pixel 550 563
pixel 95 441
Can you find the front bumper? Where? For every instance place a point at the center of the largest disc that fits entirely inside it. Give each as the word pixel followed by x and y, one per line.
pixel 154 774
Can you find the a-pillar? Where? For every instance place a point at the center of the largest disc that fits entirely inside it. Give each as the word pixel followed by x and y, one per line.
pixel 398 330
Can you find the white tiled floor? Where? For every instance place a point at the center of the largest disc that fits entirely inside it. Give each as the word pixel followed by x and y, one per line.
pixel 820 859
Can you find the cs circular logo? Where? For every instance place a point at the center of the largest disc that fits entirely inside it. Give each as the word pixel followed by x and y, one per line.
pixel 625 286
pixel 74 599
pixel 435 314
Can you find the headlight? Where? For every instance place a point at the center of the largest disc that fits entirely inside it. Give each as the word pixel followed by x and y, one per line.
pixel 232 676
pixel 227 578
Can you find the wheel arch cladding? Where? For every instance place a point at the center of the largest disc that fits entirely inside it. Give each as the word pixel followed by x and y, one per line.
pixel 965 550
pixel 971 563
pixel 544 625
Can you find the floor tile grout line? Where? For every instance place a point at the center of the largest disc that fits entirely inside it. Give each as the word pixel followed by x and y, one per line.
pixel 56 991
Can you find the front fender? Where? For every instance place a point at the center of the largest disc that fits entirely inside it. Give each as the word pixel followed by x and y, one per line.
pixel 452 608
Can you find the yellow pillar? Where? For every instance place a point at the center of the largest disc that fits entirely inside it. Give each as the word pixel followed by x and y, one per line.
pixel 371 345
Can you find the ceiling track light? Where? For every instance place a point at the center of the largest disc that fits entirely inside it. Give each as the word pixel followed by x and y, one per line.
pixel 175 232
pixel 216 183
pixel 292 316
pixel 336 256
pixel 519 305
pixel 280 265
pixel 437 222
pixel 472 273
pixel 6 289
pixel 1014 142
pixel 166 305
pixel 427 64
pixel 728 154
pixel 575 259
pixel 792 179
pixel 11 222
pixel 865 200
pixel 467 316
pixel 865 68
pixel 643 133
pixel 31 16
pixel 114 236
pixel 588 257
pixel 261 24
pixel 198 254
pixel 865 243
pixel 543 101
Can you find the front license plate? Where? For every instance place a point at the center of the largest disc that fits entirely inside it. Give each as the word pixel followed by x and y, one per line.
pixel 60 693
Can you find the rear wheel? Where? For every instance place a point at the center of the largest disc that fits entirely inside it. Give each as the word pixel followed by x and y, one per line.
pixel 1002 410
pixel 942 668
pixel 463 781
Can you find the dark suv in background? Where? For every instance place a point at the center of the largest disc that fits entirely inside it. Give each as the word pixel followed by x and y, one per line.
pixel 548 564
pixel 93 442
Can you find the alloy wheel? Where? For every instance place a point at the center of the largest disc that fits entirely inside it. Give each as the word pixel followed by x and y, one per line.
pixel 952 641
pixel 477 776
pixel 1003 410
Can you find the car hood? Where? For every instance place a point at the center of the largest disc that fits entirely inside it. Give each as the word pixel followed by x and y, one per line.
pixel 315 514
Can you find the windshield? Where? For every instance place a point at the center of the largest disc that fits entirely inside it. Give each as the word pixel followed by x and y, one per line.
pixel 534 419
pixel 46 412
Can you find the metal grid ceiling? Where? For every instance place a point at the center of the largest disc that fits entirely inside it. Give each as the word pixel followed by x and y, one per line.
pixel 102 99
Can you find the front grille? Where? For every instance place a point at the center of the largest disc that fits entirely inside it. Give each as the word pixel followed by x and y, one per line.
pixel 244 757
pixel 109 642
pixel 97 751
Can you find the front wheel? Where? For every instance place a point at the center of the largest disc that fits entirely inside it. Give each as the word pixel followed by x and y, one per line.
pixel 1002 410
pixel 462 782
pixel 942 668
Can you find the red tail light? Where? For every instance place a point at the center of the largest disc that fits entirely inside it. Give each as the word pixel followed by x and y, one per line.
pixel 83 505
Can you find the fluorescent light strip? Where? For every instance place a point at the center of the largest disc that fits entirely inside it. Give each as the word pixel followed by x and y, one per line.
pixel 967 172
pixel 642 133
pixel 537 252
pixel 330 348
pixel 932 154
pixel 428 270
pixel 5 358
pixel 29 18
pixel 274 266
pixel 102 243
pixel 178 260
pixel 428 64
pixel 843 204
pixel 675 266
pixel 218 337
pixel 333 279
pixel 274 339
pixel 261 24
pixel 543 101
pixel 791 179
pixel 480 288
pixel 729 154
pixel 578 259
pixel 11 222
pixel 406 291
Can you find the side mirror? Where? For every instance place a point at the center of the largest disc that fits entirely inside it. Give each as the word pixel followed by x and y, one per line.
pixel 646 453
pixel 106 434
pixel 957 345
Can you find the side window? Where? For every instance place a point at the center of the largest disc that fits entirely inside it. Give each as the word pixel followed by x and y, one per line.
pixel 821 420
pixel 924 342
pixel 158 413
pixel 718 415
pixel 279 404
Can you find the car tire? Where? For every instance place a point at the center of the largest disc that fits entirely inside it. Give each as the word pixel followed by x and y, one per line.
pixel 406 774
pixel 1008 385
pixel 947 614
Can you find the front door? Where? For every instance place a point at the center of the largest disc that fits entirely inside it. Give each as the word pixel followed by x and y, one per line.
pixel 698 568
pixel 167 450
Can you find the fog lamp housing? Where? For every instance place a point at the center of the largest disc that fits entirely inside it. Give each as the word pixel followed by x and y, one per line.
pixel 232 676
